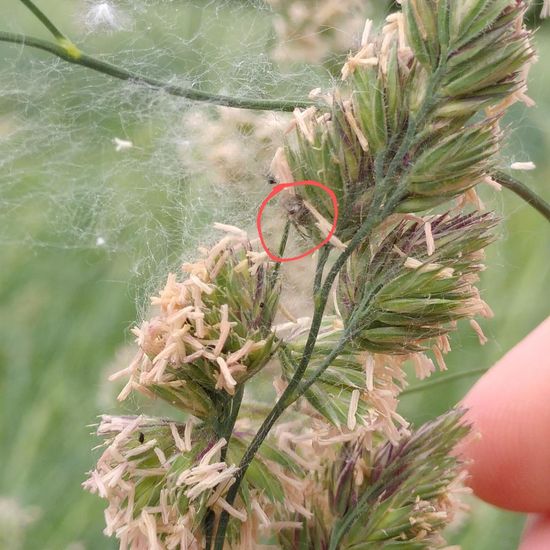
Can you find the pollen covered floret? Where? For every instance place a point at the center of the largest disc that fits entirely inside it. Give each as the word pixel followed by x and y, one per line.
pixel 213 329
pixel 162 477
pixel 157 476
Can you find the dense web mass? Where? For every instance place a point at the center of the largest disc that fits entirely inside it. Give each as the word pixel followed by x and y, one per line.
pixel 88 161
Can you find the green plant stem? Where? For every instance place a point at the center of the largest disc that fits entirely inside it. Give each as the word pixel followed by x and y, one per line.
pixel 227 429
pixel 521 190
pixel 225 433
pixel 282 247
pixel 44 19
pixel 78 58
pixel 306 384
pixel 444 380
pixel 348 336
pixel 324 253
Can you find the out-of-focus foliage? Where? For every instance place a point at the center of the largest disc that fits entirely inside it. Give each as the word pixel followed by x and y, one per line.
pixel 65 307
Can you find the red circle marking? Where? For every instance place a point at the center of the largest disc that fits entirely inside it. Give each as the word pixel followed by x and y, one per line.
pixel 275 192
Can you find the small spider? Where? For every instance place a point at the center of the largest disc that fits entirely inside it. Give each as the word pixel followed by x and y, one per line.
pixel 296 209
pixel 298 214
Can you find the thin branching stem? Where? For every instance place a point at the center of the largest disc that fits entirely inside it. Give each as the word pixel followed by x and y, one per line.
pixel 44 19
pixel 282 247
pixel 327 361
pixel 225 433
pixel 521 190
pixel 76 57
pixel 229 424
pixel 374 217
pixel 324 253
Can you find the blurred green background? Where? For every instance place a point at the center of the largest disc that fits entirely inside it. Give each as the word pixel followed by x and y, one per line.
pixel 85 233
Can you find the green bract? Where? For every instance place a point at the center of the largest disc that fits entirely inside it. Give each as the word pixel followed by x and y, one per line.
pixel 395 296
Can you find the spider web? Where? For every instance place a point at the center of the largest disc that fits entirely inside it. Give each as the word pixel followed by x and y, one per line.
pixel 87 161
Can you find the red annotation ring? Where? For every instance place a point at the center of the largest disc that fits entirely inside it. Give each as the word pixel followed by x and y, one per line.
pixel 274 193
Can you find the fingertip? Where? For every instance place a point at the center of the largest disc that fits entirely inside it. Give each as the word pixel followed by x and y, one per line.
pixel 510 408
pixel 537 534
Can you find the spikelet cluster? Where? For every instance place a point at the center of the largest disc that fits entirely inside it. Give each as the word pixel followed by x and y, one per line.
pixel 417 114
pixel 361 488
pixel 374 494
pixel 213 329
pixel 160 478
pixel 417 280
